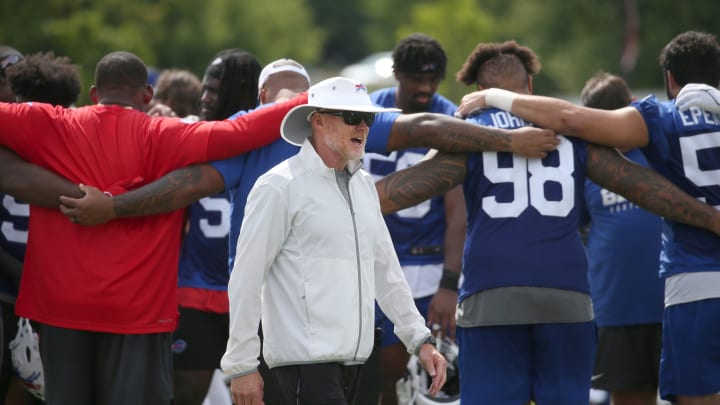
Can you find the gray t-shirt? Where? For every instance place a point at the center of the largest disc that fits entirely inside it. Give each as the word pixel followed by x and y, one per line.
pixel 520 305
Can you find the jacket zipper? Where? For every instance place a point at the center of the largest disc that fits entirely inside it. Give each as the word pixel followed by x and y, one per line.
pixel 359 271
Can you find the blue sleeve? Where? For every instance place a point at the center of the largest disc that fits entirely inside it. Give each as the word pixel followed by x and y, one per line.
pixel 237 114
pixel 380 132
pixel 443 105
pixel 243 112
pixel 231 170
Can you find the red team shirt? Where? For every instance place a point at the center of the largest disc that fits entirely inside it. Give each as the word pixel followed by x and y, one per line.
pixel 120 277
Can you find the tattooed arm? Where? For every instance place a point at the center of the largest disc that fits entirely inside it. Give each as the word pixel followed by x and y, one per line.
pixel 173 191
pixel 648 189
pixel 426 179
pixel 449 134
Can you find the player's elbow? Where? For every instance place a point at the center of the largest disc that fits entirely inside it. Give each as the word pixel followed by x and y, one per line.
pixel 429 121
pixel 12 179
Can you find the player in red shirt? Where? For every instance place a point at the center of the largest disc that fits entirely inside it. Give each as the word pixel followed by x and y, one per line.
pixel 105 297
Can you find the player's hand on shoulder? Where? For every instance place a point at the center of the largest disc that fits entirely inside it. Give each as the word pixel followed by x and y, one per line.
pixel 471 102
pixel 533 142
pixel 161 110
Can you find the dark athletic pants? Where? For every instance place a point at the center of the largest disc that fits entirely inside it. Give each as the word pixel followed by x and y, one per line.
pixel 318 384
pixel 90 368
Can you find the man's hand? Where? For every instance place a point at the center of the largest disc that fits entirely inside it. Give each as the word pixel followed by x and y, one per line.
pixel 247 389
pixel 161 110
pixel 533 142
pixel 702 96
pixel 435 365
pixel 441 311
pixel 95 208
pixel 471 102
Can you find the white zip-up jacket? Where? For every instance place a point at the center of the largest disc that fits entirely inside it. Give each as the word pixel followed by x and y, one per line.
pixel 313 265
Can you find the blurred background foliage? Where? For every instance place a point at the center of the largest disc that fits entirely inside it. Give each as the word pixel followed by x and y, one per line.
pixel 573 39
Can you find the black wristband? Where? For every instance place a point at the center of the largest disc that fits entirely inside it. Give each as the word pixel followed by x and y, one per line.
pixel 449 280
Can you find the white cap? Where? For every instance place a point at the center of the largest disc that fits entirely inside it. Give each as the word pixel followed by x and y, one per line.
pixel 337 93
pixel 281 65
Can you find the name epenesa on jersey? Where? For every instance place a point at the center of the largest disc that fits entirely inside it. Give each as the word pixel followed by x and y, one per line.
pixel 694 116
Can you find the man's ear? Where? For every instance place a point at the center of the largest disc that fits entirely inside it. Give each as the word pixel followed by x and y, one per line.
pixel 672 85
pixel 93 94
pixel 148 94
pixel 530 85
pixel 313 117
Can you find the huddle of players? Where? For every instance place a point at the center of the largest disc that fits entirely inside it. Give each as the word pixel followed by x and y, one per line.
pixel 502 260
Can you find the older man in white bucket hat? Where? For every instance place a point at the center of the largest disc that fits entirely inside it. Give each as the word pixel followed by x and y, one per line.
pixel 313 256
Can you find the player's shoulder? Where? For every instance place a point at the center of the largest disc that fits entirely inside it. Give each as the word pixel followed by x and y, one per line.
pixel 384 97
pixel 443 104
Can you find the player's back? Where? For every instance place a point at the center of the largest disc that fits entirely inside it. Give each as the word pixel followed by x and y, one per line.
pixel 683 148
pixel 116 272
pixel 523 216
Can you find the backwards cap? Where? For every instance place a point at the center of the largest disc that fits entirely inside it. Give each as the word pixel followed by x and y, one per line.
pixel 281 65
pixel 8 57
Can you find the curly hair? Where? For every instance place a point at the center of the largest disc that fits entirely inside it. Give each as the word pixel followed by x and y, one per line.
pixel 238 72
pixel 45 78
pixel 419 53
pixel 692 57
pixel 489 62
pixel 606 91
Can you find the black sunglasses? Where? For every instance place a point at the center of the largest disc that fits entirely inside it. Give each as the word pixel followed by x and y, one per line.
pixel 352 117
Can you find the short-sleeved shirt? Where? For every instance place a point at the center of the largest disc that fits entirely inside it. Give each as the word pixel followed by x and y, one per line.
pixel 683 147
pixel 120 277
pixel 623 247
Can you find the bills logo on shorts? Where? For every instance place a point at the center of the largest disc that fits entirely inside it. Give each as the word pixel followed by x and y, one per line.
pixel 179 346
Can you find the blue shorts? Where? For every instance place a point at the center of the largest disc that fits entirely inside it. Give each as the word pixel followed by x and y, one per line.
pixel 550 364
pixel 690 360
pixel 382 321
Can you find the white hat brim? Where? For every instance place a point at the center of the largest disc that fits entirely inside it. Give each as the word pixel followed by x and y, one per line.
pixel 295 127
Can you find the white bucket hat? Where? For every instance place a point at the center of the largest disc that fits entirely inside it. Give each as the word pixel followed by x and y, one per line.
pixel 337 93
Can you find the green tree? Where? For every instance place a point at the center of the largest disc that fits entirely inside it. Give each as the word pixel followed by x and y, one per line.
pixel 164 33
pixel 576 39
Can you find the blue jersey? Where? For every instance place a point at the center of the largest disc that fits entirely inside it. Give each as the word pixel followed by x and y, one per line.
pixel 523 216
pixel 203 257
pixel 13 238
pixel 683 147
pixel 241 172
pixel 417 232
pixel 623 250
pixel 438 104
